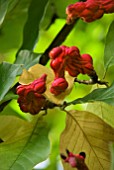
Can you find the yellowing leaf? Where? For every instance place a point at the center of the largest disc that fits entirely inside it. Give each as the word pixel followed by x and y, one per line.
pixel 87 133
pixel 103 110
pixel 37 71
pixel 26 77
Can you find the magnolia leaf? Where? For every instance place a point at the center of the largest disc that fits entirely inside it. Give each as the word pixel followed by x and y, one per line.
pixel 87 133
pixel 48 16
pixel 24 143
pixel 102 94
pixel 109 48
pixel 31 29
pixel 3 10
pixel 112 156
pixel 28 58
pixel 10 95
pixel 37 71
pixel 8 73
pixel 103 110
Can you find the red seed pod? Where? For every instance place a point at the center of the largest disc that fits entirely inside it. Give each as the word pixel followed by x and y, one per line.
pixel 30 96
pixel 40 84
pixel 32 103
pixel 55 52
pixel 107 5
pixel 89 10
pixel 59 85
pixel 75 160
pixel 74 10
pixel 69 60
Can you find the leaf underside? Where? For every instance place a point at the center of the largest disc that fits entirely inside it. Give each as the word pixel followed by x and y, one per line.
pixel 87 133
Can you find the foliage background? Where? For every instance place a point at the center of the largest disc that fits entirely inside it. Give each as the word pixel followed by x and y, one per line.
pixel 18 31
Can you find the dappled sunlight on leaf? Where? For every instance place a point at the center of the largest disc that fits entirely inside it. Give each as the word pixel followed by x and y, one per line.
pixel 87 133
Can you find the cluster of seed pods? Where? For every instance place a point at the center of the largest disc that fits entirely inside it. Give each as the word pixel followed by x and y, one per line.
pixel 63 59
pixel 89 10
pixel 68 59
pixel 31 97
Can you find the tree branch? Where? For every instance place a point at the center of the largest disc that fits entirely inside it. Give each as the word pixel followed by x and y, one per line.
pixel 91 82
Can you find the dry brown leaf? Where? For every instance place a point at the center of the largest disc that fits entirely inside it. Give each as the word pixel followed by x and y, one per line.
pixel 87 133
pixel 37 71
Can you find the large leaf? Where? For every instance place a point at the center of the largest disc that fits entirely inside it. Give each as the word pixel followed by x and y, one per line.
pixel 25 143
pixel 28 58
pixel 8 72
pixel 109 48
pixel 37 71
pixel 102 94
pixel 31 29
pixel 112 154
pixel 12 29
pixel 88 133
pixel 48 16
pixel 103 110
pixel 3 10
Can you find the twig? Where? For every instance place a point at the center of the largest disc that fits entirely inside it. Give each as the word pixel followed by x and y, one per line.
pixel 91 82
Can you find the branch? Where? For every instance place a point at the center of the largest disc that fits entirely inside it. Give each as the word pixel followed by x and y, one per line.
pixel 91 82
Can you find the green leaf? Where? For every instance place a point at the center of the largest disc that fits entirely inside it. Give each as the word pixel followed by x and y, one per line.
pixel 103 94
pixel 48 16
pixel 8 72
pixel 12 4
pixel 25 143
pixel 12 29
pixel 109 47
pixel 31 29
pixel 87 133
pixel 27 58
pixel 10 95
pixel 3 10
